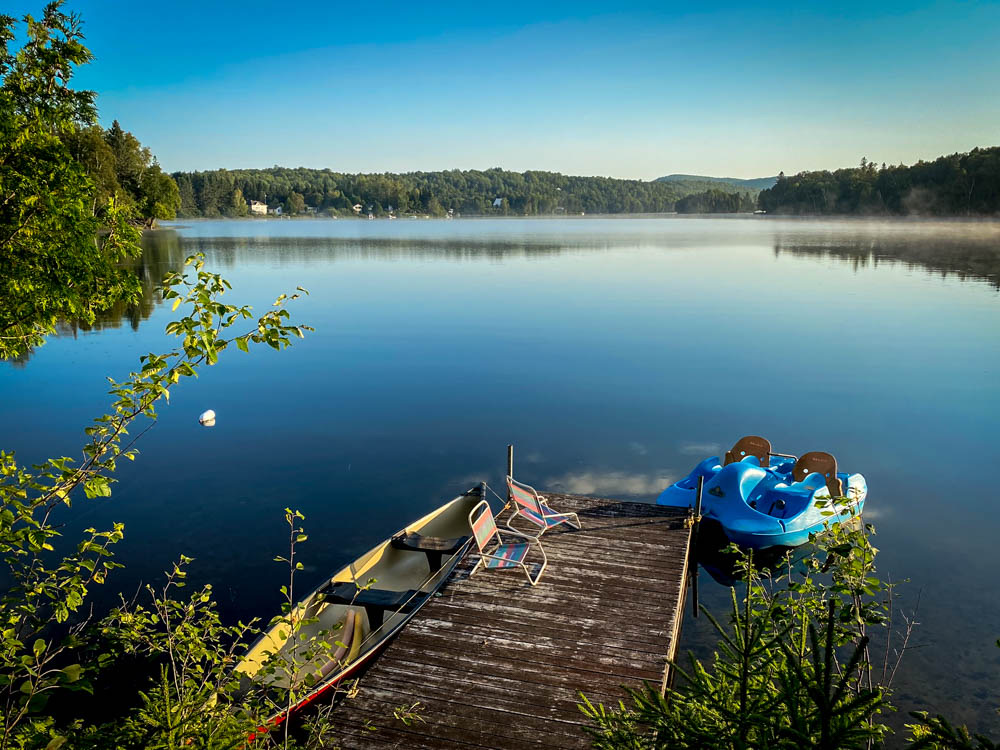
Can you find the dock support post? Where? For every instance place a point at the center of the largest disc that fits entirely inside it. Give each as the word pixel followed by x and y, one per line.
pixel 694 546
pixel 510 460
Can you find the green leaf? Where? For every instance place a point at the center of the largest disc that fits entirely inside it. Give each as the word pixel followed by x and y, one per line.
pixel 72 672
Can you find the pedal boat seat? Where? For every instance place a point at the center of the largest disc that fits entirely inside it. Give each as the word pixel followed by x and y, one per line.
pixel 750 445
pixel 818 462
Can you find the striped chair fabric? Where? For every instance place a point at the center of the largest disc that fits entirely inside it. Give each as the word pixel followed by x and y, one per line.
pixel 507 556
pixel 484 528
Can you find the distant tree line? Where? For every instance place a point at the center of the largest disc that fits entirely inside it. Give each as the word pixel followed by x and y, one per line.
pixel 955 185
pixel 716 202
pixel 965 184
pixel 121 167
pixel 490 192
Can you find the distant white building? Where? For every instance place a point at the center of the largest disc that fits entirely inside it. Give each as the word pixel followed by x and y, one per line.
pixel 258 208
pixel 276 210
pixel 497 203
pixel 357 208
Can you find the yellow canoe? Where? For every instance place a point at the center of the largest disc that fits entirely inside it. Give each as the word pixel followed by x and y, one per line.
pixel 383 588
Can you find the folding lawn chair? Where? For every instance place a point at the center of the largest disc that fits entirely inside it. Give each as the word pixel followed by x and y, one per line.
pixel 531 506
pixel 506 554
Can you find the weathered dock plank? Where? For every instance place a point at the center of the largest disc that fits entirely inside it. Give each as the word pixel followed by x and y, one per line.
pixel 496 663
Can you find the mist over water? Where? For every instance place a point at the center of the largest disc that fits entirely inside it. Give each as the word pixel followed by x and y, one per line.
pixel 614 354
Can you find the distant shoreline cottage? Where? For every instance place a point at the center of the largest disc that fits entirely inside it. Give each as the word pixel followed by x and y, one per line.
pixel 256 207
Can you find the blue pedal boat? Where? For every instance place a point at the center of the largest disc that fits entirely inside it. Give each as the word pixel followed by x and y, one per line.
pixel 763 499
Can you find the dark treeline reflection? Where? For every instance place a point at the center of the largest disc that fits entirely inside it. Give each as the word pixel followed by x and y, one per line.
pixel 230 251
pixel 162 251
pixel 969 252
pixel 165 250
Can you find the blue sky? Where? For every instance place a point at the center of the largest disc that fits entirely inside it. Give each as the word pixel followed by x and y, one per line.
pixel 625 90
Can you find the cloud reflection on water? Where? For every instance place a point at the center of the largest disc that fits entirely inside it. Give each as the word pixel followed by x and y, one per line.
pixel 700 449
pixel 611 483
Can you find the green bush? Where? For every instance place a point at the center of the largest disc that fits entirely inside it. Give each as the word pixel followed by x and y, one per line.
pixel 795 666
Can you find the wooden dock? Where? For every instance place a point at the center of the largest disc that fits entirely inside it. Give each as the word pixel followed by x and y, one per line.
pixel 496 663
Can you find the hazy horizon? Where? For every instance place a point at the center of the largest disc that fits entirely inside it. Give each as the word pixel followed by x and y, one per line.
pixel 648 90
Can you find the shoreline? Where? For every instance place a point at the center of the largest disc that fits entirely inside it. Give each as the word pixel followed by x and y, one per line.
pixel 872 218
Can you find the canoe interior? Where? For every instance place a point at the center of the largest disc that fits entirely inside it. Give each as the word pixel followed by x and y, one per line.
pixel 393 570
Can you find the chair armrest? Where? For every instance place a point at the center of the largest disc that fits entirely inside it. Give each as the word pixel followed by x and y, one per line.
pixel 553 514
pixel 512 532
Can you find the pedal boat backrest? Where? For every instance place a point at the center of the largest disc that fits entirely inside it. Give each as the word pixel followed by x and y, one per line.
pixel 751 445
pixel 818 462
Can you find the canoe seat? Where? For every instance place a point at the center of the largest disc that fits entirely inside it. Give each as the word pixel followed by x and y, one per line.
pixel 375 601
pixel 433 546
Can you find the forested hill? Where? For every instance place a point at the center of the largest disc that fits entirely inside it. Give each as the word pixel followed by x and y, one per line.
pixel 957 185
pixel 726 184
pixel 716 202
pixel 471 192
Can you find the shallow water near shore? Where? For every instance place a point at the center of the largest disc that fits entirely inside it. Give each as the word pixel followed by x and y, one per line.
pixel 613 353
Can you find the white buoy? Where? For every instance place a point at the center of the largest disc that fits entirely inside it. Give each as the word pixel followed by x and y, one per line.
pixel 207 419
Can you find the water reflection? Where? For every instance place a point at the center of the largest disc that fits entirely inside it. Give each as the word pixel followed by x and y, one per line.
pixel 967 250
pixel 232 251
pixel 162 252
pixel 611 483
pixel 717 557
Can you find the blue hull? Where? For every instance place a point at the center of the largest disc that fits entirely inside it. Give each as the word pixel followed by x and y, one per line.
pixel 760 508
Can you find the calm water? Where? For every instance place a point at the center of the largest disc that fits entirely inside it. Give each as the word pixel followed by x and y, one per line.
pixel 614 354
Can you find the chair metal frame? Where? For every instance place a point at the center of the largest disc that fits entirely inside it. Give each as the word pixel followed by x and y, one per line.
pixel 506 563
pixel 536 504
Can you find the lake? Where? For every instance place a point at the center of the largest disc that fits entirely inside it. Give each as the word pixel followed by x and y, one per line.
pixel 613 353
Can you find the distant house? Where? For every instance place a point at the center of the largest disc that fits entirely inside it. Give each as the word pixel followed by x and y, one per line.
pixel 258 208
pixel 497 203
pixel 357 208
pixel 276 210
